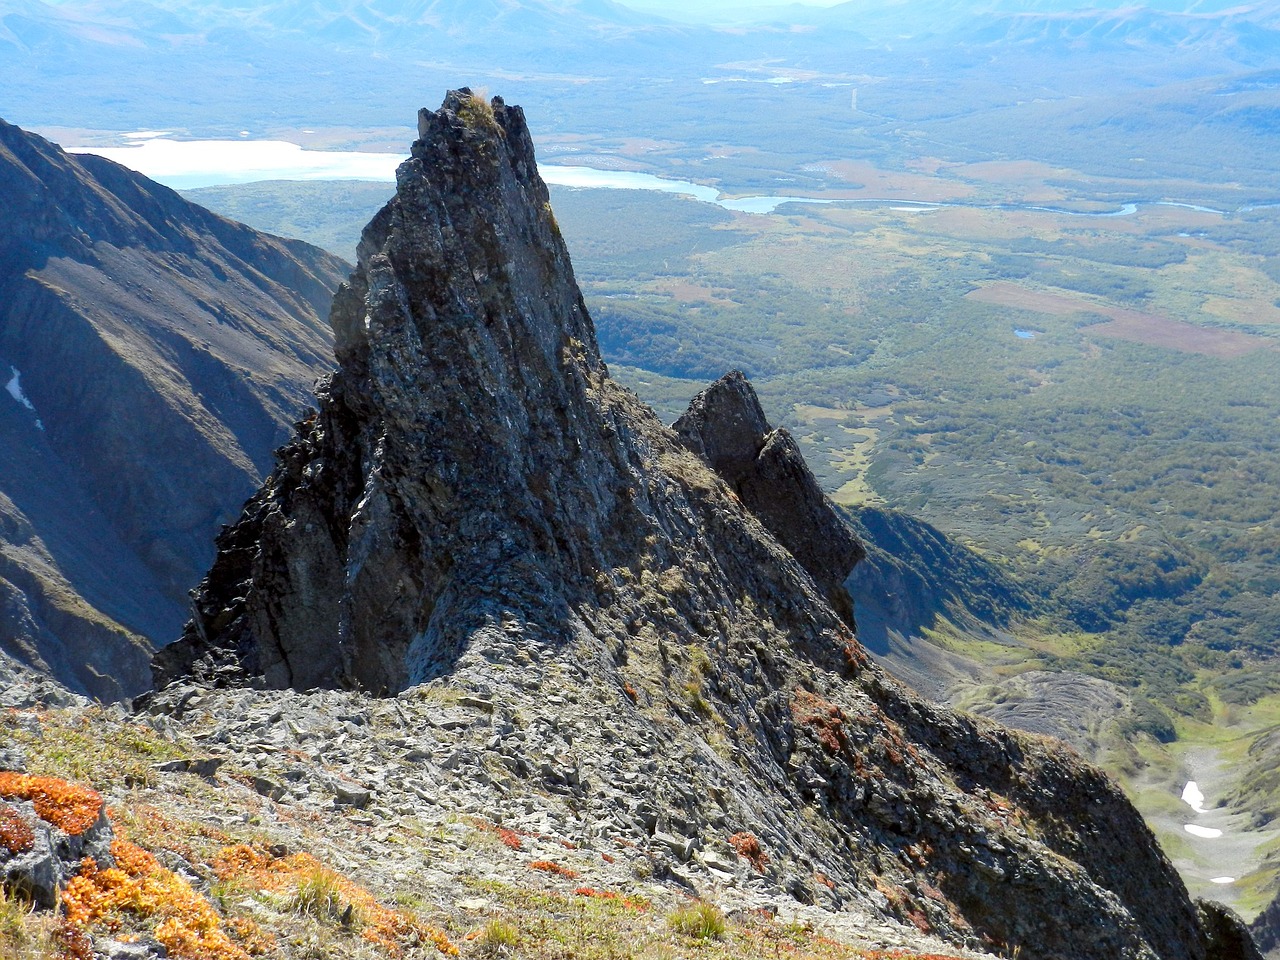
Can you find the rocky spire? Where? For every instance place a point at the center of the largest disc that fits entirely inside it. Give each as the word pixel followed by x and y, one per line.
pixel 726 426
pixel 477 504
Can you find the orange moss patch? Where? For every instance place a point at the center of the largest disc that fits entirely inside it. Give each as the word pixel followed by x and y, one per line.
pixel 639 904
pixel 16 834
pixel 547 866
pixel 511 838
pixel 71 808
pixel 72 943
pixel 748 847
pixel 825 718
pixel 389 929
pixel 138 887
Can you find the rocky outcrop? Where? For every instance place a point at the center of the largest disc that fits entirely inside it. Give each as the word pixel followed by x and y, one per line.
pixel 43 839
pixel 479 512
pixel 726 426
pixel 153 355
pixel 1265 929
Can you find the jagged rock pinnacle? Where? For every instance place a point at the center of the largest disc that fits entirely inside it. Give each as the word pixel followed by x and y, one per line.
pixel 476 503
pixel 471 461
pixel 726 426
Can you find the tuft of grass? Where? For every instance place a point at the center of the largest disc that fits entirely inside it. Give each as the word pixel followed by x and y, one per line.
pixel 319 895
pixel 23 935
pixel 701 921
pixel 477 112
pixel 88 746
pixel 498 938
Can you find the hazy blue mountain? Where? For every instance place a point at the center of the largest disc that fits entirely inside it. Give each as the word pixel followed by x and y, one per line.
pixel 154 354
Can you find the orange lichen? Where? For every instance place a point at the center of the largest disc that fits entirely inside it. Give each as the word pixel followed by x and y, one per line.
pixel 639 904
pixel 547 866
pixel 138 887
pixel 381 926
pixel 16 834
pixel 748 847
pixel 256 941
pixel 68 806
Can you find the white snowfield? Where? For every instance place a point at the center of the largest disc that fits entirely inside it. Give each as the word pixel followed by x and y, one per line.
pixel 14 386
pixel 1192 796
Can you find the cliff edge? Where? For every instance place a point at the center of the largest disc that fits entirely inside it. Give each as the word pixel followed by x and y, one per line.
pixel 478 506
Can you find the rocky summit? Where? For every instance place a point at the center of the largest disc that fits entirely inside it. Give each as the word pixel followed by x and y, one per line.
pixel 635 630
pixel 154 355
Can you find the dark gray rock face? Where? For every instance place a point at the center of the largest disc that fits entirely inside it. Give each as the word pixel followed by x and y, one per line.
pixel 726 426
pixel 154 355
pixel 477 503
pixel 1265 929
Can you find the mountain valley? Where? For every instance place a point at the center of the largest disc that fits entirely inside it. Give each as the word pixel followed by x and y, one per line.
pixel 495 522
pixel 1024 338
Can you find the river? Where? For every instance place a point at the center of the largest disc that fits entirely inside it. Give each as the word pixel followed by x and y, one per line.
pixel 188 164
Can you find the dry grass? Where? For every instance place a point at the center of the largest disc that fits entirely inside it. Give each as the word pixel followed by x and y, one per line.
pixel 24 934
pixel 311 888
pixel 477 112
pixel 1176 335
pixel 1123 324
pixel 87 746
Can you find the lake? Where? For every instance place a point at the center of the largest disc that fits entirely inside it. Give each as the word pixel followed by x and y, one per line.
pixel 188 164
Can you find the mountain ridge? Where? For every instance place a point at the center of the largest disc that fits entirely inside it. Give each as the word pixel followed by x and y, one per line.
pixel 477 502
pixel 155 355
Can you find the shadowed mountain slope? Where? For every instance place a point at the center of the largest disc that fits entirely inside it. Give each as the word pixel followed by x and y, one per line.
pixel 154 355
pixel 477 503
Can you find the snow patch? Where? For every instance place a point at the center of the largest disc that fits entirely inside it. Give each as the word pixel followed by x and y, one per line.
pixel 1223 880
pixel 1209 833
pixel 14 386
pixel 1192 796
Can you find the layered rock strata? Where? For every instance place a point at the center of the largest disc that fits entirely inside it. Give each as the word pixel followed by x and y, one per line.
pixel 477 506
